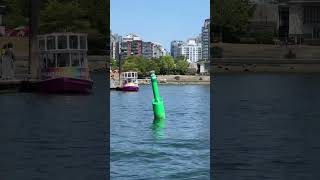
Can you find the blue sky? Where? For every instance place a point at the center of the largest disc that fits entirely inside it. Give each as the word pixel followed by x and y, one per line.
pixel 159 20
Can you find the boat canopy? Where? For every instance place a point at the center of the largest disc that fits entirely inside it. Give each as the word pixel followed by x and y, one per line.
pixel 130 75
pixel 63 50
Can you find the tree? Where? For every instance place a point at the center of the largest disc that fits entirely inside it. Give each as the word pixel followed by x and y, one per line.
pixel 233 17
pixel 17 13
pixel 182 66
pixel 114 64
pixel 136 63
pixel 61 16
pixel 166 65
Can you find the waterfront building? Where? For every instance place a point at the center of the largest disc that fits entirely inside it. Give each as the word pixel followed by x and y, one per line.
pixel 192 51
pixel 147 50
pixel 118 40
pixel 112 47
pixel 175 48
pixel 131 46
pixel 157 50
pixel 298 20
pixel 205 40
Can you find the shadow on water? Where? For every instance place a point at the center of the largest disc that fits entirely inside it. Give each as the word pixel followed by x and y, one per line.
pixel 158 129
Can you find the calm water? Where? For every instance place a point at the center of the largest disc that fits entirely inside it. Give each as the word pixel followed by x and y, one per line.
pixel 54 136
pixel 179 151
pixel 266 127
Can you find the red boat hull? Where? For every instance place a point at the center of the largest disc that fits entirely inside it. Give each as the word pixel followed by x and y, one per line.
pixel 65 85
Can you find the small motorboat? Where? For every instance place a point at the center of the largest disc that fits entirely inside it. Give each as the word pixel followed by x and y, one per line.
pixel 129 81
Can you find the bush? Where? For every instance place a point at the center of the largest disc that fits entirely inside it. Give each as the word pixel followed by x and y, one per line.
pixel 216 52
pixel 290 55
pixel 264 38
pixel 191 71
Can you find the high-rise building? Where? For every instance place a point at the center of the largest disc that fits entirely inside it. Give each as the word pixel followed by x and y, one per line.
pixel 118 40
pixel 112 46
pixel 175 48
pixel 131 46
pixel 192 51
pixel 157 50
pixel 147 50
pixel 205 40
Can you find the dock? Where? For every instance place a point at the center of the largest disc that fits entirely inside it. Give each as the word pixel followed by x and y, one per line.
pixel 21 83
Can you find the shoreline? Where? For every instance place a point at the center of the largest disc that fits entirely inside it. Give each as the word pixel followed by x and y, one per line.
pixel 178 80
pixel 265 65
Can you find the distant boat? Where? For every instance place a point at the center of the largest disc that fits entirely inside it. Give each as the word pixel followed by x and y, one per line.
pixel 129 81
pixel 64 64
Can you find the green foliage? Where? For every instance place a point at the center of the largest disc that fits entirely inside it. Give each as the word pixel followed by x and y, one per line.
pixel 216 52
pixel 233 16
pixel 264 38
pixel 61 17
pixel 290 55
pixel 166 65
pixel 17 13
pixel 113 64
pixel 182 67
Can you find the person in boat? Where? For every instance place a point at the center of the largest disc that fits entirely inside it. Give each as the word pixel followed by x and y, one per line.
pixel 8 62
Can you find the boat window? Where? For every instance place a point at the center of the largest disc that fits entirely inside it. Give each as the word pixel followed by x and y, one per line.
pixel 132 74
pixel 129 74
pixel 42 44
pixel 62 42
pixel 83 43
pixel 75 60
pixel 51 42
pixel 43 62
pixel 51 60
pixel 82 60
pixel 73 42
pixel 63 59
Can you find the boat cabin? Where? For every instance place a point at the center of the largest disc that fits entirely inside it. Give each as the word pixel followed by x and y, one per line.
pixel 63 54
pixel 129 77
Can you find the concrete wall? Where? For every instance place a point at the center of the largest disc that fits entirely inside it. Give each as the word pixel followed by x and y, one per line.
pixel 268 51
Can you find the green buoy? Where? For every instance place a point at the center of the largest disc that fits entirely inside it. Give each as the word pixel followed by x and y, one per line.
pixel 157 102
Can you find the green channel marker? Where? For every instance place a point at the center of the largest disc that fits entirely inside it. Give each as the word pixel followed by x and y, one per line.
pixel 157 102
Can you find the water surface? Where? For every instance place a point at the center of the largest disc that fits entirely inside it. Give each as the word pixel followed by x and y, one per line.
pixel 54 136
pixel 266 126
pixel 178 151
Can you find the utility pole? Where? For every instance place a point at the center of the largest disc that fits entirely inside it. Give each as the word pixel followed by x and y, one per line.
pixel 33 50
pixel 220 21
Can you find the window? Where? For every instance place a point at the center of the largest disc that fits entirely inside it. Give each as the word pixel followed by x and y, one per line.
pixel 311 15
pixel 82 60
pixel 42 44
pixel 63 59
pixel 51 42
pixel 51 60
pixel 43 61
pixel 62 42
pixel 75 61
pixel 83 43
pixel 73 42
